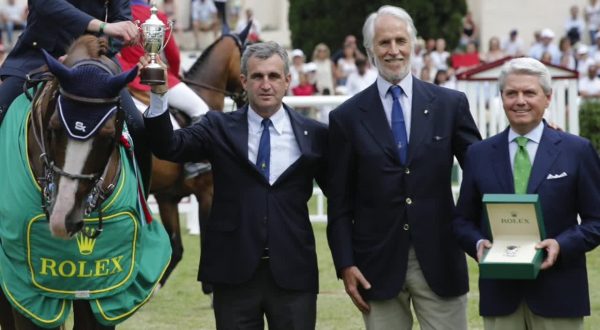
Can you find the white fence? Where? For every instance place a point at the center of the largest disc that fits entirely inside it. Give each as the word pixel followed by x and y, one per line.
pixel 486 108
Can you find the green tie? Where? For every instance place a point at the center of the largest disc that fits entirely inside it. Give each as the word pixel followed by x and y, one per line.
pixel 522 166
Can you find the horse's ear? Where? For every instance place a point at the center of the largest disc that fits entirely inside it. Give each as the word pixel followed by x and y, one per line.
pixel 244 34
pixel 57 68
pixel 119 81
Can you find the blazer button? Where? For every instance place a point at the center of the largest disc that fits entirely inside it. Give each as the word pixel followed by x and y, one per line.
pixel 264 220
pixel 407 171
pixel 408 201
pixel 406 226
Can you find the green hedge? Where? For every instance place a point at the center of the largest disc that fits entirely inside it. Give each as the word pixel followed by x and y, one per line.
pixel 589 122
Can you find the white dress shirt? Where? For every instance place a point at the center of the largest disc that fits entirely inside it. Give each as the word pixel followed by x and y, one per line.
pixel 534 136
pixel 284 147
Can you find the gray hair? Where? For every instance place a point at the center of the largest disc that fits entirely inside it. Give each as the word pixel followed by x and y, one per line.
pixel 263 51
pixel 369 27
pixel 528 66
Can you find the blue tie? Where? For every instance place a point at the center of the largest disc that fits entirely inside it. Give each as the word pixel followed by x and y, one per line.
pixel 398 125
pixel 263 158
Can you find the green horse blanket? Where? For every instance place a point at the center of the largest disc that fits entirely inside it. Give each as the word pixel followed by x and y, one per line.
pixel 40 275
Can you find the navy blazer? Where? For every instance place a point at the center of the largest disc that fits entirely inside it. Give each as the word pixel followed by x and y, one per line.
pixel 248 214
pixel 53 25
pixel 566 175
pixel 378 208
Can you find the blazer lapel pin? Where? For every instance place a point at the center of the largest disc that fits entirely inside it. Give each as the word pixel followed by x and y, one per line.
pixel 425 112
pixel 305 133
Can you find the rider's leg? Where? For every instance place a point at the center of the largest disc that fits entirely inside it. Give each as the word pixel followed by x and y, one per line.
pixel 182 97
pixel 135 124
pixel 10 88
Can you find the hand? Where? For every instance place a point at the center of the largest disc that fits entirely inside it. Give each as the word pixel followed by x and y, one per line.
pixel 555 126
pixel 485 244
pixel 352 278
pixel 125 30
pixel 156 89
pixel 552 249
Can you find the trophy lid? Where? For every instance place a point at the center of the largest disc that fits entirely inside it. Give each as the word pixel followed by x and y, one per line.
pixel 153 20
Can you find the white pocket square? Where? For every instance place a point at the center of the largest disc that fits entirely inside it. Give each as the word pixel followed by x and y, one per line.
pixel 556 176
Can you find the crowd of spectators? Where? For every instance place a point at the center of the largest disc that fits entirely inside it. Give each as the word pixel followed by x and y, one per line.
pixel 348 71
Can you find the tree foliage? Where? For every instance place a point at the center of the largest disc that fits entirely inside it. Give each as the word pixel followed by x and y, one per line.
pixel 329 21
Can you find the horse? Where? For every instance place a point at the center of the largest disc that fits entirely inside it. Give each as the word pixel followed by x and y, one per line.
pixel 214 75
pixel 65 144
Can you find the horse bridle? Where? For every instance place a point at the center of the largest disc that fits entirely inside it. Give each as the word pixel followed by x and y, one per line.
pixel 237 97
pixel 98 194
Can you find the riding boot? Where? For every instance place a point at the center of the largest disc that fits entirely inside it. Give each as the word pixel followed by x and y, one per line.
pixel 135 124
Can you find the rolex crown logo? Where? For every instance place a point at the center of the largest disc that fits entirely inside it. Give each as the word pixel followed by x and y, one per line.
pixel 86 244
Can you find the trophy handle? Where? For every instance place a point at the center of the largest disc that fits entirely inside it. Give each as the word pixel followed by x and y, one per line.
pixel 170 29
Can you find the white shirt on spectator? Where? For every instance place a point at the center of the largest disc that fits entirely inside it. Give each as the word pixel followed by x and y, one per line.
pixel 357 83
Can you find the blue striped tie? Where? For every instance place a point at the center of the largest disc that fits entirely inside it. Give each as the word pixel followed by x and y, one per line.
pixel 398 125
pixel 263 157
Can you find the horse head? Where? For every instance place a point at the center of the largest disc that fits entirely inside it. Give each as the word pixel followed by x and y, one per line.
pixel 216 73
pixel 77 121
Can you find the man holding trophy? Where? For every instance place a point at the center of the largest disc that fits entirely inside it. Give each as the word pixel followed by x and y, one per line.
pixel 562 172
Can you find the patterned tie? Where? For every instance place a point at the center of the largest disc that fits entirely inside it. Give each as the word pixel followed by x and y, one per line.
pixel 263 158
pixel 522 166
pixel 398 125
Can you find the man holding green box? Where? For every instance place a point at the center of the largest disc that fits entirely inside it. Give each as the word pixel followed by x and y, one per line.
pixel 564 171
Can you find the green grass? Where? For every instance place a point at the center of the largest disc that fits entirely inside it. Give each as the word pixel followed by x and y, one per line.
pixel 182 305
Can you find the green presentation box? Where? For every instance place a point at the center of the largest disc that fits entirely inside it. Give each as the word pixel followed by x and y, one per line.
pixel 515 225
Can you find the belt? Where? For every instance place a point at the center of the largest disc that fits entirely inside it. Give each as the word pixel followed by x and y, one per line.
pixel 265 254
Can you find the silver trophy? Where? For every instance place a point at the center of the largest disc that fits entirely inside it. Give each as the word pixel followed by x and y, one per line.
pixel 153 39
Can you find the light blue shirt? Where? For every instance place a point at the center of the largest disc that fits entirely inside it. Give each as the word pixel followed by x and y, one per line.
pixel 383 86
pixel 534 136
pixel 284 147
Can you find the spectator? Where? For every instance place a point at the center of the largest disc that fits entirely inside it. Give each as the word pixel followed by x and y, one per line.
pixel 445 78
pixel 513 46
pixel 204 18
pixel 583 60
pixel 297 67
pixel 362 78
pixel 255 30
pixel 545 46
pixel 417 62
pixel 589 84
pixel 345 65
pixel 567 56
pixel 14 16
pixel 592 17
pixel 468 29
pixel 169 7
pixel 325 69
pixel 595 47
pixel 304 88
pixel 494 52
pixel 440 56
pixel 430 45
pixel 467 60
pixel 574 26
pixel 350 40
